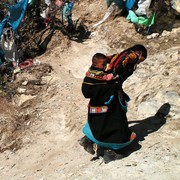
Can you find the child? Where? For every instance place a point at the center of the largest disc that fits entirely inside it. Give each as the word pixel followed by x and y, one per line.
pixel 98 68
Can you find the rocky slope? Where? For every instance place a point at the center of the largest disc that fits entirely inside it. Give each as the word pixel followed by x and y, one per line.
pixel 43 122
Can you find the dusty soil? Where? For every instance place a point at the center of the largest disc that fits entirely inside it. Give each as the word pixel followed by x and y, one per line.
pixel 44 112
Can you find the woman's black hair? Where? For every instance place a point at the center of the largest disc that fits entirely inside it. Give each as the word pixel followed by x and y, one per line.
pixel 138 47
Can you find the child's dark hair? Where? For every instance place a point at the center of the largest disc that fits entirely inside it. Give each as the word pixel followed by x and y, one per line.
pixel 98 56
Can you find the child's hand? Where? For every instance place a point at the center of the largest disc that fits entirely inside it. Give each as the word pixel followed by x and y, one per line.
pixel 109 77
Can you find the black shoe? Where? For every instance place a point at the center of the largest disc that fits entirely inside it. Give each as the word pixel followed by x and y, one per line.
pixel 99 153
pixel 110 155
pixel 87 144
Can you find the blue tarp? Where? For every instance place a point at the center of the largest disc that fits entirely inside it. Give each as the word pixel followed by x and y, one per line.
pixel 16 15
pixel 2 24
pixel 29 2
pixel 128 4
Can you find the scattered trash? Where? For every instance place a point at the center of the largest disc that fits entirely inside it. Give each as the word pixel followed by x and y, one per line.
pixel 108 13
pixel 36 62
pixel 26 63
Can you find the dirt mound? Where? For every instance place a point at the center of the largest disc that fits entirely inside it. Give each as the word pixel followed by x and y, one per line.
pixel 18 99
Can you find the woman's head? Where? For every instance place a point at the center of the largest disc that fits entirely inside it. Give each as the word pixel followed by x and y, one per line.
pixel 139 47
pixel 141 50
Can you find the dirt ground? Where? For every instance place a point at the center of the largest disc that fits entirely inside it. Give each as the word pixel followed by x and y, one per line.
pixel 44 110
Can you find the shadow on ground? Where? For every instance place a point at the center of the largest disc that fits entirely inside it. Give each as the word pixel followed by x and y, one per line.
pixel 143 128
pixel 79 32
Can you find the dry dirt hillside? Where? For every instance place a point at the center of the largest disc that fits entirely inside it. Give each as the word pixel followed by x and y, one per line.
pixel 42 118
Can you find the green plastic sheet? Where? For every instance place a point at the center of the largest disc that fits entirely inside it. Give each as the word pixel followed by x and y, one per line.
pixel 141 20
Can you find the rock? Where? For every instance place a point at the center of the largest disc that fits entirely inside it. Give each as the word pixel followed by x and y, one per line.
pixel 148 108
pixel 19 100
pixel 46 79
pixel 169 96
pixel 165 33
pixel 25 83
pixel 152 36
pixel 21 90
pixel 176 6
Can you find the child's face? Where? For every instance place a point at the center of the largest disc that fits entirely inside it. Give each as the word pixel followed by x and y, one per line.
pixel 102 63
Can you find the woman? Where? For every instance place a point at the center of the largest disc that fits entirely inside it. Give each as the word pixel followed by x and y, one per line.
pixel 107 124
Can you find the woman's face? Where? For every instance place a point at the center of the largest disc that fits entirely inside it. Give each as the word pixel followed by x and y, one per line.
pixel 141 58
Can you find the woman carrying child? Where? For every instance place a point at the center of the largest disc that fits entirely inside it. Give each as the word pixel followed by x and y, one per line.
pixel 107 124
